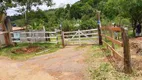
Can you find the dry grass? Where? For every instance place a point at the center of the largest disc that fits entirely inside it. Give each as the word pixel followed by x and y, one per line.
pixel 101 66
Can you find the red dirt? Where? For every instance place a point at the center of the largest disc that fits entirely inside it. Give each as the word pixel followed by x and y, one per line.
pixel 136 46
pixel 27 50
pixel 136 52
pixel 138 38
pixel 65 64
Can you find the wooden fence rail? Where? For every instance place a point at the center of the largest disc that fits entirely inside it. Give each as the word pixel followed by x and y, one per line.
pixel 113 40
pixel 33 37
pixel 124 43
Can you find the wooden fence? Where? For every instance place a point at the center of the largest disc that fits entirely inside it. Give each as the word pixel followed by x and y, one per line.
pixel 124 42
pixel 32 37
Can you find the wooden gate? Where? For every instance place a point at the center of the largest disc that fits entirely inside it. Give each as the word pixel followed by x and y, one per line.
pixel 81 37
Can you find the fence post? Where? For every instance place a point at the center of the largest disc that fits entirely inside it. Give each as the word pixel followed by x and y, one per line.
pixel 79 37
pixel 6 26
pixel 99 28
pixel 57 37
pixel 62 37
pixel 112 35
pixel 9 30
pixel 126 51
pixel 113 46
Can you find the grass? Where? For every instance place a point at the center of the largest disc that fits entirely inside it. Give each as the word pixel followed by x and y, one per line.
pixel 106 72
pixel 130 33
pixel 7 51
pixel 99 67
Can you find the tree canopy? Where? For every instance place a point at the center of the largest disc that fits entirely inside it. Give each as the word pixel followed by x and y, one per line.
pixel 82 14
pixel 5 4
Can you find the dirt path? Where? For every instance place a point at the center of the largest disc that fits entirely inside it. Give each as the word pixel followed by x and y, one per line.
pixel 65 64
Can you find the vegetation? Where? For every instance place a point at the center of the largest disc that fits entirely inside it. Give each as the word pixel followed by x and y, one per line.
pixel 5 4
pixel 25 51
pixel 100 68
pixel 82 15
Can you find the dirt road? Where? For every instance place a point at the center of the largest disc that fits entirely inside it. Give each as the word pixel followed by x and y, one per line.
pixel 65 64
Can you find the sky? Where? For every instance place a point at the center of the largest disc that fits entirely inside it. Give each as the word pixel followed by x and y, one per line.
pixel 58 3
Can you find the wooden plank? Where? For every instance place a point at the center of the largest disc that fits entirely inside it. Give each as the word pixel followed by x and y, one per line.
pixel 49 42
pixel 70 32
pixel 89 30
pixel 63 38
pixel 112 35
pixel 17 41
pixel 82 41
pixel 36 37
pixel 82 38
pixel 76 43
pixel 82 34
pixel 117 55
pixel 31 41
pixel 80 30
pixel 4 32
pixel 112 28
pixel 34 32
pixel 79 37
pixel 113 40
pixel 57 38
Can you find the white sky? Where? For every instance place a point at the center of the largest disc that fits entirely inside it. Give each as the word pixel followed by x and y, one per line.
pixel 58 3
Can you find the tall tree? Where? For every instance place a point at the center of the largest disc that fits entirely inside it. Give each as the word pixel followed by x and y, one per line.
pixel 27 4
pixel 5 4
pixel 133 10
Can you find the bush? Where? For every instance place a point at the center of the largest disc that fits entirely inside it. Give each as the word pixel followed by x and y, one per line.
pixel 88 24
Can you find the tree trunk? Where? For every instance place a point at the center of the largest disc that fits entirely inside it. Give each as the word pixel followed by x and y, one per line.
pixel 134 24
pixel 134 34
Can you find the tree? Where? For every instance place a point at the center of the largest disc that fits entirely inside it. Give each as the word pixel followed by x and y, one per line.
pixel 5 4
pixel 111 9
pixel 30 3
pixel 67 25
pixel 60 13
pixel 75 11
pixel 88 24
pixel 132 10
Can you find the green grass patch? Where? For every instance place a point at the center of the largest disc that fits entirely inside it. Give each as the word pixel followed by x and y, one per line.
pixel 98 51
pixel 100 69
pixel 14 52
pixel 130 33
